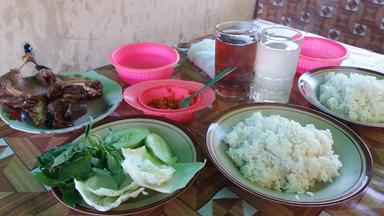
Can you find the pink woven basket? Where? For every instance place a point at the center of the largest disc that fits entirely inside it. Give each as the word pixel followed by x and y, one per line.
pixel 320 52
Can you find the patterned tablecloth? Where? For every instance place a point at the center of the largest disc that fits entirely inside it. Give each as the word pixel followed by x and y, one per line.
pixel 211 194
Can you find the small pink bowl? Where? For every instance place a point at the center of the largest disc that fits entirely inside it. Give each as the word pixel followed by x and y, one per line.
pixel 140 94
pixel 137 62
pixel 320 52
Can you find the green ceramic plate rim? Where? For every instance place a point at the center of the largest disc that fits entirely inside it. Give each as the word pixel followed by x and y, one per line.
pixel 88 74
pixel 170 197
pixel 335 69
pixel 361 184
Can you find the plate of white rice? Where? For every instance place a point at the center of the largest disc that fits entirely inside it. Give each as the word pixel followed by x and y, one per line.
pixel 352 94
pixel 289 154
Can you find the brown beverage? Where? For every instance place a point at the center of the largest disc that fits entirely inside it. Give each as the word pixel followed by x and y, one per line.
pixel 235 48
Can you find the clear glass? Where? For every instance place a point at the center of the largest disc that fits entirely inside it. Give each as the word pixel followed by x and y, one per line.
pixel 275 65
pixel 235 46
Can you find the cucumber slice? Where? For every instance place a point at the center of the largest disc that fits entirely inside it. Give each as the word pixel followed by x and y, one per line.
pixel 129 137
pixel 158 147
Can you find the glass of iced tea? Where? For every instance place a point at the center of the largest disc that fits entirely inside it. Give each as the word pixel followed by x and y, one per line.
pixel 235 46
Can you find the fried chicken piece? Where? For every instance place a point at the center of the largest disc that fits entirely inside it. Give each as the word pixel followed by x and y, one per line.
pixel 16 79
pixel 46 77
pixel 12 101
pixel 63 113
pixel 36 107
pixel 11 85
pixel 75 88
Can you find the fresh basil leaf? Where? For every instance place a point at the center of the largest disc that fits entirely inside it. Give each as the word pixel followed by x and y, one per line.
pixel 101 172
pixel 94 140
pixel 62 148
pixel 102 164
pixel 47 159
pixel 71 196
pixel 88 128
pixel 111 138
pixel 119 177
pixel 117 155
pixel 95 161
pixel 64 156
pixel 59 160
pixel 45 180
pixel 113 161
pixel 50 173
pixel 79 168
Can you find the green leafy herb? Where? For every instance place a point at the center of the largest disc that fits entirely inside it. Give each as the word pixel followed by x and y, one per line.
pixel 71 196
pixel 114 159
pixel 45 180
pixel 80 160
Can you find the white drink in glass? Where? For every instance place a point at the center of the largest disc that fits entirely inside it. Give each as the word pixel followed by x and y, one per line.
pixel 275 68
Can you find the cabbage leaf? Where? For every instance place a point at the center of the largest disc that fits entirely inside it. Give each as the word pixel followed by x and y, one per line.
pixel 148 172
pixel 104 203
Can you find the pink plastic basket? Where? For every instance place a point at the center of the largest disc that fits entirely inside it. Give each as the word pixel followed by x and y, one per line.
pixel 137 62
pixel 320 52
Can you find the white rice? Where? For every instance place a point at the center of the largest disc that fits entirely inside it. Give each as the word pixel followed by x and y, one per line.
pixel 280 154
pixel 356 97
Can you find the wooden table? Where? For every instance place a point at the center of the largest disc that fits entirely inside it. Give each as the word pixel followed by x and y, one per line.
pixel 21 194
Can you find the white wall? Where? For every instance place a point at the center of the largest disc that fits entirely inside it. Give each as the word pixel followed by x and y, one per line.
pixel 73 35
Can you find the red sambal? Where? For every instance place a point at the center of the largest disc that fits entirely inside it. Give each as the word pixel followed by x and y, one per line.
pixel 164 103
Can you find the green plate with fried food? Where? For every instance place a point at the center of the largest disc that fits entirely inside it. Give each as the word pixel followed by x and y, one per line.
pixel 50 102
pixel 122 167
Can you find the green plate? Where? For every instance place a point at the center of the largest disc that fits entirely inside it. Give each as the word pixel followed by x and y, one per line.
pixel 355 173
pixel 182 145
pixel 309 85
pixel 98 108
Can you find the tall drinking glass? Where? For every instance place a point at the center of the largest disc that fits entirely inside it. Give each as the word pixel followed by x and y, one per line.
pixel 235 46
pixel 275 65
